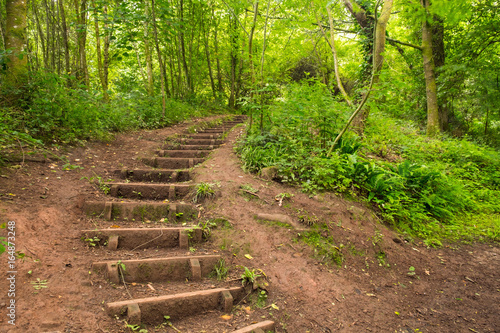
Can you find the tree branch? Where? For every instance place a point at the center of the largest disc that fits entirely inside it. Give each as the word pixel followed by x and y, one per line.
pixel 403 43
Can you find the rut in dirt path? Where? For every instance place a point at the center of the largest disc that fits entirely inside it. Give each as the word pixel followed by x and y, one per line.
pixel 156 195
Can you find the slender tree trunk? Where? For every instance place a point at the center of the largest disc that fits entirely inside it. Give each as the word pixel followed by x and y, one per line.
pixel 49 35
pixel 234 60
pixel 250 40
pixel 439 56
pixel 179 71
pixel 378 61
pixel 380 31
pixel 147 52
pixel 172 76
pixel 100 68
pixel 2 32
pixel 430 78
pixel 53 38
pixel 160 60
pixel 366 22
pixel 65 36
pixel 206 34
pixel 139 64
pixel 220 87
pixel 35 62
pixel 59 26
pixel 40 33
pixel 189 56
pixel 182 45
pixel 107 39
pixel 262 58
pixel 81 17
pixel 333 48
pixel 15 29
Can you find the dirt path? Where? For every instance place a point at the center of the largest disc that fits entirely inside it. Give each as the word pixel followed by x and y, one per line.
pixel 453 289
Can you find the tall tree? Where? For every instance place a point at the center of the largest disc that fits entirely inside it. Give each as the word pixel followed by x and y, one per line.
pixel 160 60
pixel 430 77
pixel 15 31
pixel 64 28
pixel 101 68
pixel 147 52
pixel 81 33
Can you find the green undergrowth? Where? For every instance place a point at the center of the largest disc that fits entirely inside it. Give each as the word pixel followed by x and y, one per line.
pixel 434 189
pixel 55 110
pixel 324 247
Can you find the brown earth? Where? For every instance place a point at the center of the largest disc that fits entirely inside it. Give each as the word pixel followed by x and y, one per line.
pixel 454 289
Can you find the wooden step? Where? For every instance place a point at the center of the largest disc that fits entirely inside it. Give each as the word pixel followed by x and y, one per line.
pixel 157 175
pixel 152 310
pixel 183 153
pixel 193 268
pixel 205 136
pixel 138 211
pixel 206 142
pixel 178 146
pixel 142 238
pixel 149 191
pixel 172 162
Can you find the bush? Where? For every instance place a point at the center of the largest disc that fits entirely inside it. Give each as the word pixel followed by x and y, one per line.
pixel 421 186
pixel 52 112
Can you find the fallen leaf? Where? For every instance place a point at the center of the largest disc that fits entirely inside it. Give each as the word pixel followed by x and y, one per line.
pixel 115 226
pixel 249 257
pixel 226 317
pixel 275 307
pixel 371 295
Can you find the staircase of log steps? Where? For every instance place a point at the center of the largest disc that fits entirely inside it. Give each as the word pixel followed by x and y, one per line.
pixel 154 193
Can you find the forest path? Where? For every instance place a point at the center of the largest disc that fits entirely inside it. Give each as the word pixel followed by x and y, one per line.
pixel 453 289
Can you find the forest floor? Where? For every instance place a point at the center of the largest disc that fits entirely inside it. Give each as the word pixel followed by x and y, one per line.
pixel 455 288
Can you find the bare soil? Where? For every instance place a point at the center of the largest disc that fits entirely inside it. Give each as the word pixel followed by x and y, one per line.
pixel 455 288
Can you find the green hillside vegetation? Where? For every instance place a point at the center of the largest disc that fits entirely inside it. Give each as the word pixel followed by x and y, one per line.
pixel 432 188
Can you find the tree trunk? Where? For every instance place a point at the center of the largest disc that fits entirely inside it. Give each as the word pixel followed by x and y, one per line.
pixel 141 70
pixel 81 33
pixel 206 34
pixel 430 78
pixel 262 58
pixel 49 35
pixel 105 67
pixel 15 30
pixel 53 32
pixel 366 22
pixel 65 36
pixel 438 54
pixel 250 40
pixel 182 45
pixel 234 60
pixel 331 42
pixel 379 39
pixel 2 32
pixel 220 87
pixel 40 32
pixel 147 52
pixel 378 61
pixel 160 60
pixel 100 69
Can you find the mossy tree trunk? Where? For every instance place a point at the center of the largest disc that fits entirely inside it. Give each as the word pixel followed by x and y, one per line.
pixel 430 77
pixel 15 40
